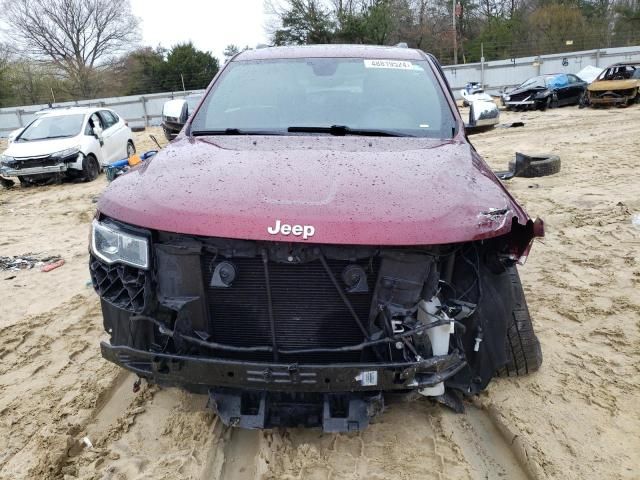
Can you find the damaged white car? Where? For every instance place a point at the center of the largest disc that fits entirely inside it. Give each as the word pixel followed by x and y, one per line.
pixel 67 142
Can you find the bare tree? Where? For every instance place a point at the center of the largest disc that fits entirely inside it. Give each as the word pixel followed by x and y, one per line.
pixel 76 36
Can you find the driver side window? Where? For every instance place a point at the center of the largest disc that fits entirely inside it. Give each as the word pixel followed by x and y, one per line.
pixel 109 120
pixel 94 120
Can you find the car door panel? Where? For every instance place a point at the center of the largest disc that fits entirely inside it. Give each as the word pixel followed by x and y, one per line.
pixel 563 89
pixel 564 93
pixel 95 128
pixel 123 137
pixel 110 138
pixel 576 86
pixel 121 132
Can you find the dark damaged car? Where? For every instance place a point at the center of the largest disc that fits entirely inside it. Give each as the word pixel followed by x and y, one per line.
pixel 321 233
pixel 546 91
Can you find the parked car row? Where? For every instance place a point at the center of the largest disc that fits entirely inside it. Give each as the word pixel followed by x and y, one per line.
pixel 74 142
pixel 619 84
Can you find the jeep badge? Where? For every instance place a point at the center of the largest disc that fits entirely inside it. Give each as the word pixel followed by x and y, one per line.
pixel 285 229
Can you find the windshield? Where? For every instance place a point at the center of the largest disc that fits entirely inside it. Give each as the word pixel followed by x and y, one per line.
pixel 307 95
pixel 533 82
pixel 58 126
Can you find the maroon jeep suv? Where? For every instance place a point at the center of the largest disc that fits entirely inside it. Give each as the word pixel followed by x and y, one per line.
pixel 321 233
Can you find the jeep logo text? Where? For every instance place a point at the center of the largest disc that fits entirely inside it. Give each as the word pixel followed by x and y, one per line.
pixel 285 229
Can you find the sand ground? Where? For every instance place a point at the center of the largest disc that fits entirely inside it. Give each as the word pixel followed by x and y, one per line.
pixel 577 418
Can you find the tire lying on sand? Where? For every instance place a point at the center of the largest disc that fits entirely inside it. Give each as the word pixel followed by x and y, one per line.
pixel 539 166
pixel 523 346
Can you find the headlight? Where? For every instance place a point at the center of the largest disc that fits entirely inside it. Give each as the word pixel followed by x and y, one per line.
pixel 507 98
pixel 113 245
pixel 68 152
pixel 6 159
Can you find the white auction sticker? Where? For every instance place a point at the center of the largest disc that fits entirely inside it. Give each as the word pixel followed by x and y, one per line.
pixel 368 378
pixel 393 64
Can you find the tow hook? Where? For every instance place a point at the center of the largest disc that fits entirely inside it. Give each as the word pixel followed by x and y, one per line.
pixel 294 372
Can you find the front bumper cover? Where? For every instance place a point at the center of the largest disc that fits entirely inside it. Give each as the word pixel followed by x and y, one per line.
pixel 516 103
pixel 609 100
pixel 203 373
pixel 15 172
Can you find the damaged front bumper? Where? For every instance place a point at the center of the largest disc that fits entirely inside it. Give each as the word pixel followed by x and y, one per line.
pixel 278 333
pixel 610 99
pixel 23 172
pixel 519 103
pixel 256 395
pixel 202 373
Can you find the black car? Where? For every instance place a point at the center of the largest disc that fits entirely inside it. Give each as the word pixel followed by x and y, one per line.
pixel 546 91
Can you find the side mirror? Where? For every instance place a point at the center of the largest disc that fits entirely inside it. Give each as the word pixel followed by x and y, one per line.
pixel 174 111
pixel 483 115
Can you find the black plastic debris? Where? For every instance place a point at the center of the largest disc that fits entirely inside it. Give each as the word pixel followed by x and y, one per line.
pixel 511 125
pixel 6 183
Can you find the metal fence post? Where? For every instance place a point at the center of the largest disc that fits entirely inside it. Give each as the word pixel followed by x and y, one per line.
pixel 19 115
pixel 144 109
pixel 482 64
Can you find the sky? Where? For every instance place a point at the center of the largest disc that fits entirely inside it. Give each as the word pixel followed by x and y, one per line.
pixel 211 25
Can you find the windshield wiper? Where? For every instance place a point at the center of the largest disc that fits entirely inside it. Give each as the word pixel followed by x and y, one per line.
pixel 342 130
pixel 234 131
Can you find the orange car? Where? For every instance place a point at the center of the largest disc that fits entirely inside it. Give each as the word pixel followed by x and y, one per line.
pixel 618 84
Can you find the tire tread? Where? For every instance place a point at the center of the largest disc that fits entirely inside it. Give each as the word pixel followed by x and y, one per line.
pixel 522 344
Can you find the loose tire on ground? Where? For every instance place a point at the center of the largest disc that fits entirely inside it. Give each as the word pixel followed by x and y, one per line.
pixel 523 346
pixel 90 168
pixel 138 129
pixel 540 166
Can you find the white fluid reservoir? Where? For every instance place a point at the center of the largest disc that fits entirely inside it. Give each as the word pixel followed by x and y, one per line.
pixel 429 312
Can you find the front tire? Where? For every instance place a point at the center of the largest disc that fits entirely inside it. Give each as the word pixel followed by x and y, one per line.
pixel 131 149
pixel 168 134
pixel 24 182
pixel 522 344
pixel 90 168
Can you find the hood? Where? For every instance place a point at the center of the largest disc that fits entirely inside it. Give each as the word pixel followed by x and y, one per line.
pixel 525 90
pixel 37 148
pixel 604 85
pixel 340 190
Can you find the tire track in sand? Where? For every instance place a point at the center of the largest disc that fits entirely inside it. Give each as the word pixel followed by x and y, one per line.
pixel 414 440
